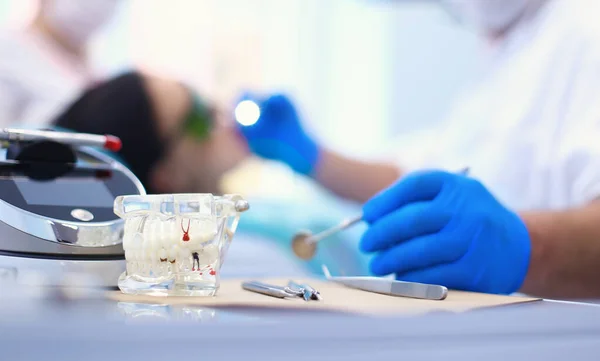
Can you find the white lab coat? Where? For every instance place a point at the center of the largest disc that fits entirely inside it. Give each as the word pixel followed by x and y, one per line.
pixel 529 128
pixel 37 81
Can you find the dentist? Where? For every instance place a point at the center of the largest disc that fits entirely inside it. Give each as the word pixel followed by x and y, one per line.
pixel 527 219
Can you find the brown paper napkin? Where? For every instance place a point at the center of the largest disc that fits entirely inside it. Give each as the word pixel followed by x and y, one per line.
pixel 335 298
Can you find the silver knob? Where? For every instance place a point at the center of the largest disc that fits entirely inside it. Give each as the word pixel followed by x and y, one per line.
pixel 82 214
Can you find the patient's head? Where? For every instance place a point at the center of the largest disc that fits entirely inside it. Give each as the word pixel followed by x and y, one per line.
pixel 75 21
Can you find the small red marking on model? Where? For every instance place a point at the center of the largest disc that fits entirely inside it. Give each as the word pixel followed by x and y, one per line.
pixel 200 273
pixel 212 272
pixel 186 236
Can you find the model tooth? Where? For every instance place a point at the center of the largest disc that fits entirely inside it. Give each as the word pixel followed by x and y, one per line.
pixel 209 254
pixel 145 247
pixel 163 268
pixel 174 230
pixel 154 256
pixel 130 226
pixel 163 232
pixel 159 232
pixel 204 230
pixel 150 233
pixel 127 240
pixel 162 255
pixel 148 252
pixel 173 252
pixel 184 254
pixel 136 242
pixel 160 249
pixel 155 243
pixel 147 227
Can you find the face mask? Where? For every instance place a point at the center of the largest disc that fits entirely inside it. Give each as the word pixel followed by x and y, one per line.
pixel 78 20
pixel 487 15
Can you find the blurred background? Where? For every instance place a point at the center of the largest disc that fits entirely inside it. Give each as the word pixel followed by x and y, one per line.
pixel 394 65
pixel 403 59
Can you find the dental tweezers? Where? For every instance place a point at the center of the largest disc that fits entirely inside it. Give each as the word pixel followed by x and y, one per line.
pixel 391 287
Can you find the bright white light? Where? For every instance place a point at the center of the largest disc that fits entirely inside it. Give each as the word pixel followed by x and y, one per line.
pixel 247 113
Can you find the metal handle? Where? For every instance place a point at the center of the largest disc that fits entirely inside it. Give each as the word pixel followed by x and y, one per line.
pixel 328 232
pixel 267 289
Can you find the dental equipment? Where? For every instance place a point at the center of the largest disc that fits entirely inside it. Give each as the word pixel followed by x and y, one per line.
pixel 304 243
pixel 390 287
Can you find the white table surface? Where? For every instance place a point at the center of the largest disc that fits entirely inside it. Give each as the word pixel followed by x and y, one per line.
pixel 98 330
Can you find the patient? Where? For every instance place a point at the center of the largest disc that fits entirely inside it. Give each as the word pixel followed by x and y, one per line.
pixel 173 139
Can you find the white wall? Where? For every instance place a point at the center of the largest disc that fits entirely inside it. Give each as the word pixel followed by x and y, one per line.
pixel 432 58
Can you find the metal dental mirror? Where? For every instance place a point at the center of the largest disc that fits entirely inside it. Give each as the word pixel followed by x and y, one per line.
pixel 304 243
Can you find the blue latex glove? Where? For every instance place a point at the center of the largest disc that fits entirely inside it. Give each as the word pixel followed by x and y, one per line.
pixel 442 228
pixel 278 134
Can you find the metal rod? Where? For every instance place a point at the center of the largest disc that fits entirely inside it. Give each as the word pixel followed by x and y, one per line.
pixel 351 221
pixel 269 290
pixel 108 142
pixel 340 227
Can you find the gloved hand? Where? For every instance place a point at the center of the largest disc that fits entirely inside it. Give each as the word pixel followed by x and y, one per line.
pixel 442 228
pixel 278 134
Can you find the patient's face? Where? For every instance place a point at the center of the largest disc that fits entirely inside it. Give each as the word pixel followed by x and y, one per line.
pixel 193 166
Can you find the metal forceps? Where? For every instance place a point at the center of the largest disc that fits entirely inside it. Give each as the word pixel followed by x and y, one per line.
pixel 308 293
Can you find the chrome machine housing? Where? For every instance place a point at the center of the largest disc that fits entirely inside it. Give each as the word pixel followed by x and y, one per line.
pixel 41 231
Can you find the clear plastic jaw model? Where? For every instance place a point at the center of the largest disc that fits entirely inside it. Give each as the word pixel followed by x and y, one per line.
pixel 175 244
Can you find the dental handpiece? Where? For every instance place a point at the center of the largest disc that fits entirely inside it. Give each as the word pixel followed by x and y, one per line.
pixel 108 142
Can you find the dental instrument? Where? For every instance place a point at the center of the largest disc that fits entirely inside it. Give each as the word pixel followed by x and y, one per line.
pixel 108 142
pixel 390 287
pixel 56 206
pixel 304 243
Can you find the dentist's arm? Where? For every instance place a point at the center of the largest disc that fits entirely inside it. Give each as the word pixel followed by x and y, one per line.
pixel 278 135
pixel 353 179
pixel 565 257
pixel 442 228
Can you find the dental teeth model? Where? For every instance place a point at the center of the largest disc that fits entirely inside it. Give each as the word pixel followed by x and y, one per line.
pixel 176 253
pixel 162 249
